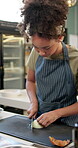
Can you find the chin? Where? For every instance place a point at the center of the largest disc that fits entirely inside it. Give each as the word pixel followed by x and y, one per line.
pixel 45 56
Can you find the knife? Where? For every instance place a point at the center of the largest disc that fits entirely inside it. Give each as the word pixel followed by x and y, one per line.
pixel 32 123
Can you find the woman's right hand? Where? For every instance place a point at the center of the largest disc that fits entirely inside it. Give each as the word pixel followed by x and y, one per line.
pixel 33 110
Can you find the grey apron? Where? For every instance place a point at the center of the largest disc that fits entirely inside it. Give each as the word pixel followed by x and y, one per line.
pixel 55 84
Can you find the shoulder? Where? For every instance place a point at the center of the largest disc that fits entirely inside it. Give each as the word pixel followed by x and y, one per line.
pixel 73 60
pixel 32 59
pixel 72 51
pixel 33 55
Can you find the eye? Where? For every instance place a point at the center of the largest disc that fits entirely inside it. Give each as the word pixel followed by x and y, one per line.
pixel 46 48
pixel 35 47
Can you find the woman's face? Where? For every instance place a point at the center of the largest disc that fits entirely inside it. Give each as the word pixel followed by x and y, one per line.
pixel 46 47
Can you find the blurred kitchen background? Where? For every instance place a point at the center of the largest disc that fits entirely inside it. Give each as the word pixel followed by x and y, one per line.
pixel 14 53
pixel 14 50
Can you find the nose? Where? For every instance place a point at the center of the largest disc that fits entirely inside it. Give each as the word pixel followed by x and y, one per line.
pixel 42 53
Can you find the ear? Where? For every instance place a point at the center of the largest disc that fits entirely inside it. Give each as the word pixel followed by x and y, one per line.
pixel 60 38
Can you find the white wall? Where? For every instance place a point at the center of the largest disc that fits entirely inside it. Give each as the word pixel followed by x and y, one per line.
pixel 10 10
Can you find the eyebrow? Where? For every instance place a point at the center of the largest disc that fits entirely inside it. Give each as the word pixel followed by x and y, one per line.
pixel 45 47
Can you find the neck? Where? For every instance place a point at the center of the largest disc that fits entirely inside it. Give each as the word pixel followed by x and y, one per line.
pixel 59 49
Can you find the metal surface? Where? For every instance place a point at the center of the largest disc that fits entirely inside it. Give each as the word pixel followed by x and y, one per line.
pixel 19 146
pixel 32 123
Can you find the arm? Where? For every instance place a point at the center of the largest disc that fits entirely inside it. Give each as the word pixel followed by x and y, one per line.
pixel 69 110
pixel 31 90
pixel 49 117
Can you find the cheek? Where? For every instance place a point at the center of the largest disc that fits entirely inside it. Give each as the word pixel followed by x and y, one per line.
pixel 50 52
pixel 53 50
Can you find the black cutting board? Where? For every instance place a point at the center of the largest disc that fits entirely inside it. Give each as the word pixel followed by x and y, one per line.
pixel 18 126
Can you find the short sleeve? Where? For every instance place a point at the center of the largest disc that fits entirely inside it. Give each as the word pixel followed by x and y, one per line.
pixel 32 60
pixel 73 59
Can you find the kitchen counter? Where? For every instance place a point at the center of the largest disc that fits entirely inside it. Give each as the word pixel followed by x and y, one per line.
pixel 16 98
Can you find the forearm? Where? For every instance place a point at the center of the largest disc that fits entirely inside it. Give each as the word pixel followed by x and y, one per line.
pixel 68 111
pixel 31 91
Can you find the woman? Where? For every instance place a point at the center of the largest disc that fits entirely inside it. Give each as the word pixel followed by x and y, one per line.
pixel 52 65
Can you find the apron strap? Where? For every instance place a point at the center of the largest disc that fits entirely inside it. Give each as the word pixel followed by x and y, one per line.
pixel 66 61
pixel 67 71
pixel 65 51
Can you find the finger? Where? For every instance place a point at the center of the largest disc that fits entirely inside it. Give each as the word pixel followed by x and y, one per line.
pixel 47 124
pixel 40 118
pixel 35 115
pixel 42 121
pixel 32 115
pixel 28 111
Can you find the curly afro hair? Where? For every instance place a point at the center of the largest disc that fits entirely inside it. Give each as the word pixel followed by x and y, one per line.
pixel 46 18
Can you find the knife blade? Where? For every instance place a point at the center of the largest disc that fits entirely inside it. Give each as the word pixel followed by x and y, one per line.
pixel 32 123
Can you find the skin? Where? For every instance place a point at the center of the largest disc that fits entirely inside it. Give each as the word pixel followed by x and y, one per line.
pixel 46 48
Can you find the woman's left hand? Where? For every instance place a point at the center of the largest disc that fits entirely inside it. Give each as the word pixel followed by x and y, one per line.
pixel 47 118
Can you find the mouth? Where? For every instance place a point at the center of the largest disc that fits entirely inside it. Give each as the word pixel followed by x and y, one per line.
pixel 45 55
